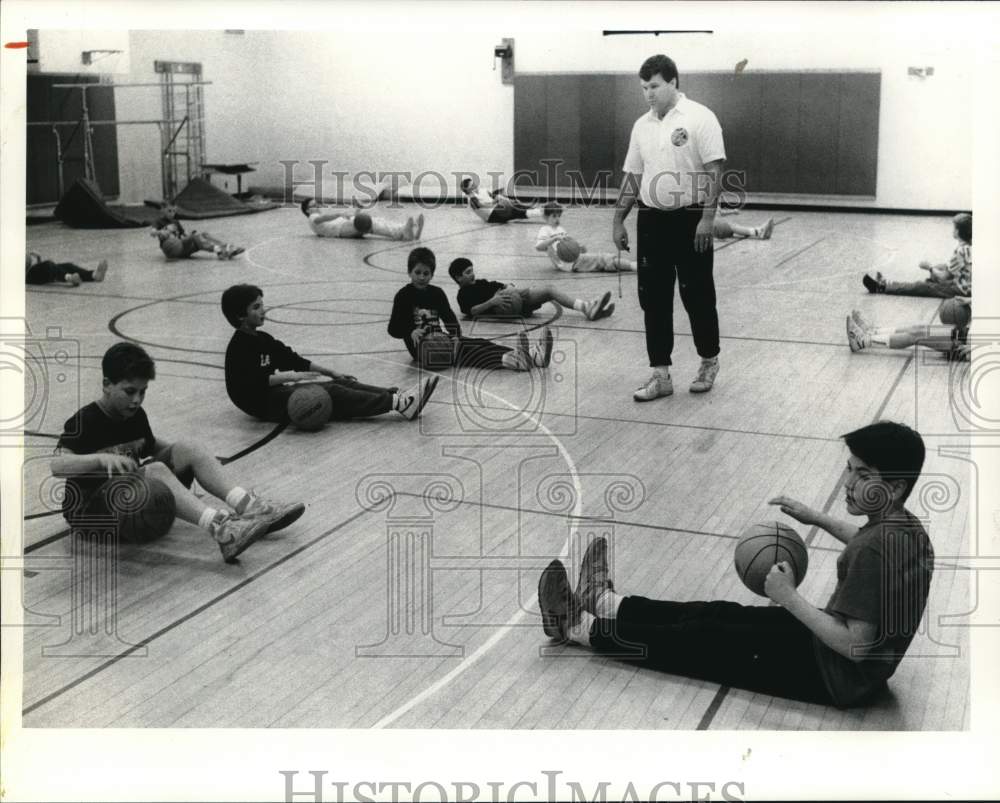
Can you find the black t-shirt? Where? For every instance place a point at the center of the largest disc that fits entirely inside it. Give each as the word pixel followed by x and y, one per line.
pixel 428 308
pixel 476 293
pixel 91 430
pixel 250 361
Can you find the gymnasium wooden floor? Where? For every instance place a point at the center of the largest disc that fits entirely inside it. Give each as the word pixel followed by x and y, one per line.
pixel 419 612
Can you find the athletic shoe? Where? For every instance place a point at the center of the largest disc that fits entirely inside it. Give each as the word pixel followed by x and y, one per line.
pixel 765 231
pixel 873 285
pixel 556 603
pixel 597 309
pixel 858 338
pixel 541 354
pixel 102 269
pixel 707 371
pixel 657 386
pixel 276 515
pixel 420 226
pixel 594 579
pixel 860 320
pixel 522 350
pixel 74 279
pixel 234 252
pixel 235 534
pixel 409 230
pixel 411 404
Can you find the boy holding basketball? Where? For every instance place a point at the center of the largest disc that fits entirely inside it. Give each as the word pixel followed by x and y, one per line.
pixel 357 224
pixel 552 234
pixel 421 309
pixel 482 297
pixel 112 437
pixel 262 372
pixel 841 654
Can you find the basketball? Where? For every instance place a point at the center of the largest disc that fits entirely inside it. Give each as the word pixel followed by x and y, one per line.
pixel 568 249
pixel 309 408
pixel 436 350
pixel 363 222
pixel 145 508
pixel 762 546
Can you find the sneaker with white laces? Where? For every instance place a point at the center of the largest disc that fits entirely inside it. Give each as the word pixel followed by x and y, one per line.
pixel 541 353
pixel 278 516
pixel 707 371
pixel 594 577
pixel 858 338
pixel 412 403
pixel 657 386
pixel 234 534
pixel 598 308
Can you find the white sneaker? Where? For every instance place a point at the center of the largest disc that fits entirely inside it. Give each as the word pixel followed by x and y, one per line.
pixel 412 403
pixel 765 231
pixel 858 337
pixel 657 386
pixel 707 372
pixel 420 226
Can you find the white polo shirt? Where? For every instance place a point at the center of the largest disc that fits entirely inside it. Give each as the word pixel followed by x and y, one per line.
pixel 671 154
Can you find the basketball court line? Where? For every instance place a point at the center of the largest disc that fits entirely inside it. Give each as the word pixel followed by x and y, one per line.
pixel 190 615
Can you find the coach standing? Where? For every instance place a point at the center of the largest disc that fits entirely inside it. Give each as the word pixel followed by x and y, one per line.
pixel 675 156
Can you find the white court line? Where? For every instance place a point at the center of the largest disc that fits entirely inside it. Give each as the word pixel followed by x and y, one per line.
pixel 504 629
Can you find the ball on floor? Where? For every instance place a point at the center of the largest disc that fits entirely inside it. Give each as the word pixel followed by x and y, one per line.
pixel 309 408
pixel 144 506
pixel 568 249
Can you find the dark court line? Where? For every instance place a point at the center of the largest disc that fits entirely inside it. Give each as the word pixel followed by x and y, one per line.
pixel 792 256
pixel 188 616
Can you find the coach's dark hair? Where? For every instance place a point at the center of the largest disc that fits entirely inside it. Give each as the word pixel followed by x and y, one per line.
pixel 421 256
pixel 458 266
pixel 304 206
pixel 894 449
pixel 660 65
pixel 235 301
pixel 963 225
pixel 127 361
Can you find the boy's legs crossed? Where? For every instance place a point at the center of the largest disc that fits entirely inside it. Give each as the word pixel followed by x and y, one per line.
pixel 758 648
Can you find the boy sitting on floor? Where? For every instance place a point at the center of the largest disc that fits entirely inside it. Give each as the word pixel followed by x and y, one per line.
pixel 262 372
pixel 552 232
pixel 112 436
pixel 842 654
pixel 356 224
pixel 176 243
pixel 482 297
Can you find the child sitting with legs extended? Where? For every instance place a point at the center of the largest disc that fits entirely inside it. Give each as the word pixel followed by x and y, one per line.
pixel 723 230
pixel 495 206
pixel 478 297
pixel 357 223
pixel 176 243
pixel 841 654
pixel 262 372
pixel 421 309
pixel 39 271
pixel 944 280
pixel 950 337
pixel 553 240
pixel 112 436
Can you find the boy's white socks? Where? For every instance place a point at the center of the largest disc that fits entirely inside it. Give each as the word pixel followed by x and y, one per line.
pixel 207 517
pixel 579 304
pixel 237 497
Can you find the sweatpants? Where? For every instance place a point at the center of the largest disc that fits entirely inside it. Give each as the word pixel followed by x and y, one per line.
pixel 666 254
pixel 46 272
pixel 758 648
pixel 350 400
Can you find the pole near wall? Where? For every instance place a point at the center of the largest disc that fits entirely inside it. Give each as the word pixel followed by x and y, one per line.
pixel 87 125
